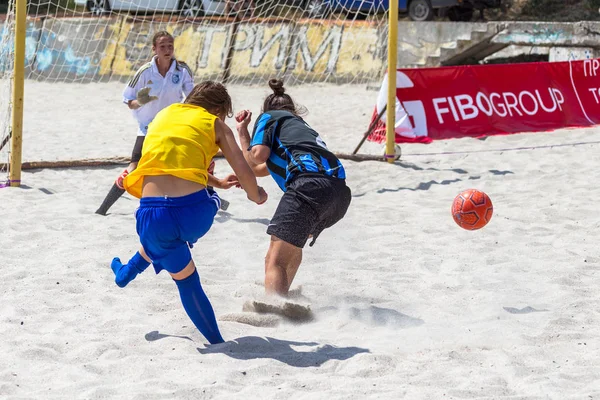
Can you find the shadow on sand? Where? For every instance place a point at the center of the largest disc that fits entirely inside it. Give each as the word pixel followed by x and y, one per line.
pixel 253 347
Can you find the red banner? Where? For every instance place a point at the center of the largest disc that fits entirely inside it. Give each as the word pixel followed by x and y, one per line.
pixel 453 102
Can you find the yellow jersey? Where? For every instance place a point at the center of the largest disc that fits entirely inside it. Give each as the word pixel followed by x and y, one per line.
pixel 180 142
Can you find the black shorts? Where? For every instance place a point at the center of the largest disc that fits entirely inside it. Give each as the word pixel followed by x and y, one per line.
pixel 312 203
pixel 136 154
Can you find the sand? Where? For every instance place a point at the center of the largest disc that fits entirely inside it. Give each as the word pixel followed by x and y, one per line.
pixel 405 303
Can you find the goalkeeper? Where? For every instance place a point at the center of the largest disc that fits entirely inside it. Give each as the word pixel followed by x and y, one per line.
pixel 157 84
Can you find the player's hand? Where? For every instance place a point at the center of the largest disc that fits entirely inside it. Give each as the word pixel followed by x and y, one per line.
pixel 211 167
pixel 228 182
pixel 263 196
pixel 143 96
pixel 243 119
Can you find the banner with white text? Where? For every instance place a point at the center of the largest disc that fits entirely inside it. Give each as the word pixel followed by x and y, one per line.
pixel 453 102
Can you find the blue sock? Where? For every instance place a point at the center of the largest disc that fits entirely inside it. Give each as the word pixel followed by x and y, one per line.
pixel 126 273
pixel 198 308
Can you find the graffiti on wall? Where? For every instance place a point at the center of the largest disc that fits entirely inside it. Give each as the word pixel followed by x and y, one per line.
pixel 56 48
pixel 7 45
pixel 327 48
pixel 308 49
pixel 57 57
pixel 194 44
pixel 89 50
pixel 258 49
pixel 210 34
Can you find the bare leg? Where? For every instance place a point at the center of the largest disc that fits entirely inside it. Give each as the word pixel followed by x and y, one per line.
pixel 281 265
pixel 295 261
pixel 184 273
pixel 144 255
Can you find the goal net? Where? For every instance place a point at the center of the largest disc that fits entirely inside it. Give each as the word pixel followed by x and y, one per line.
pixel 74 43
pixel 6 68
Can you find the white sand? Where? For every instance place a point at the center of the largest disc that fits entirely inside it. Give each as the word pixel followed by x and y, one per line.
pixel 407 304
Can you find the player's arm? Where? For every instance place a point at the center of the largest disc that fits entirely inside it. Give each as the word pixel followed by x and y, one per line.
pixel 133 104
pixel 213 181
pixel 257 155
pixel 130 93
pixel 130 98
pixel 188 80
pixel 234 156
pixel 225 183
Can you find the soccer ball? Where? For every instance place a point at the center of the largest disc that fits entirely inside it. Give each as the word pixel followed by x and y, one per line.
pixel 472 209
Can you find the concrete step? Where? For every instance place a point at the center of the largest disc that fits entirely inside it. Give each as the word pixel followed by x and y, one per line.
pixel 470 48
pixel 472 51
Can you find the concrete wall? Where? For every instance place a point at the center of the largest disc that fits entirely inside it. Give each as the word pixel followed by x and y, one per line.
pixel 302 50
pixel 114 48
pixel 562 41
pixel 306 50
pixel 96 49
pixel 553 34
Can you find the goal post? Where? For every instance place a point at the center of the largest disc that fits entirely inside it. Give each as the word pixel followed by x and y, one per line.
pixel 7 22
pixel 18 87
pixel 390 142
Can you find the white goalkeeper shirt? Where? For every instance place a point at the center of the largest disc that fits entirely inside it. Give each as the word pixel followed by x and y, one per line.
pixel 171 88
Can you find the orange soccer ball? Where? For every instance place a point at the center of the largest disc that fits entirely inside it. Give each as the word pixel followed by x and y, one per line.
pixel 472 209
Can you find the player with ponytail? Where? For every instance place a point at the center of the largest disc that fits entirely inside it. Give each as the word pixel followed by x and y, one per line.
pixel 312 178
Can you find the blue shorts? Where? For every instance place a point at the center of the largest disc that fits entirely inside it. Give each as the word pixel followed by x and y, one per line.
pixel 169 226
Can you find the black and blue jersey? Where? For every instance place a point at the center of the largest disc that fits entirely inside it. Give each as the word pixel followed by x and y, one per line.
pixel 296 148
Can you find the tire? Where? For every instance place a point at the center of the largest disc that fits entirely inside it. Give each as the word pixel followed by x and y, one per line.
pixel 441 12
pixel 420 10
pixel 98 7
pixel 460 14
pixel 191 8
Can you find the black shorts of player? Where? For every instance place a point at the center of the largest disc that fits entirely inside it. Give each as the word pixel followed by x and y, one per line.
pixel 136 154
pixel 311 203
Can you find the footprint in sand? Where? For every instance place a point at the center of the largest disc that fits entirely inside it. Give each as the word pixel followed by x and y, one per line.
pixel 254 319
pixel 268 311
pixel 293 311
